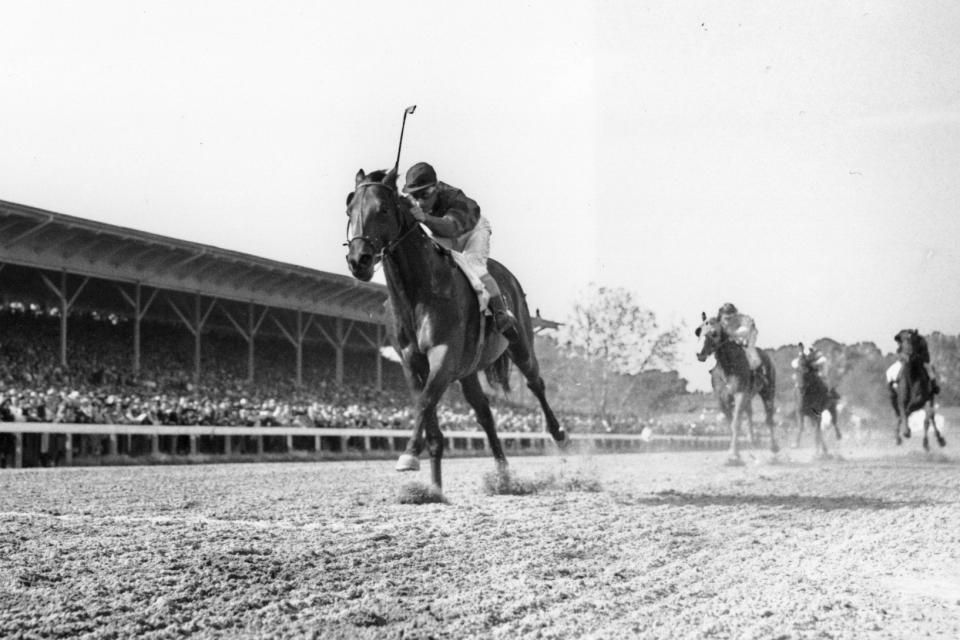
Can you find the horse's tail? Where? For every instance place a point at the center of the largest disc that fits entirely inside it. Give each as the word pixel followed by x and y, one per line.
pixel 498 372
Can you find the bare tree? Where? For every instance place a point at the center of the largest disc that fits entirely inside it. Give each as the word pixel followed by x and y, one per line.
pixel 618 337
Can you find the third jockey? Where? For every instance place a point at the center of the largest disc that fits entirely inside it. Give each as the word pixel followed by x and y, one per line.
pixel 455 221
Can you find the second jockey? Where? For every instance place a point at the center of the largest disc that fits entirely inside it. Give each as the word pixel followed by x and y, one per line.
pixel 741 329
pixel 455 221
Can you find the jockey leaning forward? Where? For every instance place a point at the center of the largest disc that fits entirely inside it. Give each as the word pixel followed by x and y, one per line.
pixel 455 221
pixel 741 329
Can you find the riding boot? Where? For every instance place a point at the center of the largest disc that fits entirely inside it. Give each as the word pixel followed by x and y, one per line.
pixel 503 319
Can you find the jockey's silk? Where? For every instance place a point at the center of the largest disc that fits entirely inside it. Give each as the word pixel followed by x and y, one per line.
pixel 454 205
pixel 740 328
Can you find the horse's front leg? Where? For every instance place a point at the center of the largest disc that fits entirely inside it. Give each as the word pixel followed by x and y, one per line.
pixel 439 378
pixel 735 426
pixel 903 421
pixel 416 369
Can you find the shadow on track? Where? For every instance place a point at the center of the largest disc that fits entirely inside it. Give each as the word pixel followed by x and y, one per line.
pixel 819 503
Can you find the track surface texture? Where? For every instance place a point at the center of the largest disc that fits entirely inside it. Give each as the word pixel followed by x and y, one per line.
pixel 676 545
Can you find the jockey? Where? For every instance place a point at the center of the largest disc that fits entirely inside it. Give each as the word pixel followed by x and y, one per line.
pixel 742 330
pixel 456 223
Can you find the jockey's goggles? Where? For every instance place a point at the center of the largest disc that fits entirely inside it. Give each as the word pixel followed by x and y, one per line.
pixel 424 193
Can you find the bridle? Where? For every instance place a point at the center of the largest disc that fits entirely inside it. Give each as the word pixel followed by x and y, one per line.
pixel 379 250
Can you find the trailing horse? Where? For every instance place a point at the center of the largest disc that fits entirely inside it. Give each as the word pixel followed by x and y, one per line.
pixel 813 398
pixel 734 384
pixel 434 320
pixel 913 388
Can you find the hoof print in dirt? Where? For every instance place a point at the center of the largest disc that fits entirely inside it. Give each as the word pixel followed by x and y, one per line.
pixel 419 493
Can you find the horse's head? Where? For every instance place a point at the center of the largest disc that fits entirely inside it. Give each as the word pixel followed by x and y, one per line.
pixel 710 334
pixel 910 345
pixel 377 218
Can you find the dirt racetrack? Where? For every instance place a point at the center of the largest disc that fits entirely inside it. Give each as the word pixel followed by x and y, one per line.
pixel 865 545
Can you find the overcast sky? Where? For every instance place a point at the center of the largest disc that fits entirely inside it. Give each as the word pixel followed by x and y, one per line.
pixel 799 159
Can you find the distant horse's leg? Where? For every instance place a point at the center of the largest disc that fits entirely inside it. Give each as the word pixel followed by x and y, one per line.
pixel 933 421
pixel 769 410
pixel 474 395
pixel 748 411
pixel 834 418
pixel 734 453
pixel 926 429
pixel 821 446
pixel 521 352
pixel 415 370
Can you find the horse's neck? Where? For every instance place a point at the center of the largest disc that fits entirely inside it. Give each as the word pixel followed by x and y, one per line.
pixel 727 353
pixel 413 272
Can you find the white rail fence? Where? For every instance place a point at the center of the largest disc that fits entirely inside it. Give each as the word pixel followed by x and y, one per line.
pixel 317 439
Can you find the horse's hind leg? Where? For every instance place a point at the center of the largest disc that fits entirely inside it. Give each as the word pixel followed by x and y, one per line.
pixel 933 421
pixel 474 395
pixel 522 355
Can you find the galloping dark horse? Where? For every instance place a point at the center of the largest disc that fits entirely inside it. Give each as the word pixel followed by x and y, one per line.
pixel 813 398
pixel 734 384
pixel 914 389
pixel 435 322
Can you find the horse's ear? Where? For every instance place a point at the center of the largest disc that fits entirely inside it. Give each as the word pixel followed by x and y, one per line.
pixel 360 177
pixel 703 316
pixel 801 347
pixel 897 338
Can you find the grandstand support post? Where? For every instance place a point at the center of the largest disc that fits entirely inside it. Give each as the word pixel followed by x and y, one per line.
pixel 249 334
pixel 68 449
pixel 139 311
pixel 338 341
pixel 66 301
pixel 196 328
pixel 377 344
pixel 297 340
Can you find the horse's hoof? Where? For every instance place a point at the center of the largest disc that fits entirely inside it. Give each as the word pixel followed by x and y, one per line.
pixel 906 432
pixel 407 462
pixel 941 441
pixel 775 448
pixel 899 440
pixel 926 444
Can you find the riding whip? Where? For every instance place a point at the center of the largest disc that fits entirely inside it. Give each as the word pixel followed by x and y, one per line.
pixel 408 110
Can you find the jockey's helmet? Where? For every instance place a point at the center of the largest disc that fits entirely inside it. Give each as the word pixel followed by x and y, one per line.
pixel 727 309
pixel 419 177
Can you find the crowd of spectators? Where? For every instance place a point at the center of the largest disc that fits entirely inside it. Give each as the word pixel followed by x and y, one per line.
pixel 99 386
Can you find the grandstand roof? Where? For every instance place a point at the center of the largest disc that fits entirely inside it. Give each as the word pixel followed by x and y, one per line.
pixel 42 239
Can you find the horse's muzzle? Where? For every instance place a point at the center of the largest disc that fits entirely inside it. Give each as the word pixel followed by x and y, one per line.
pixel 361 265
